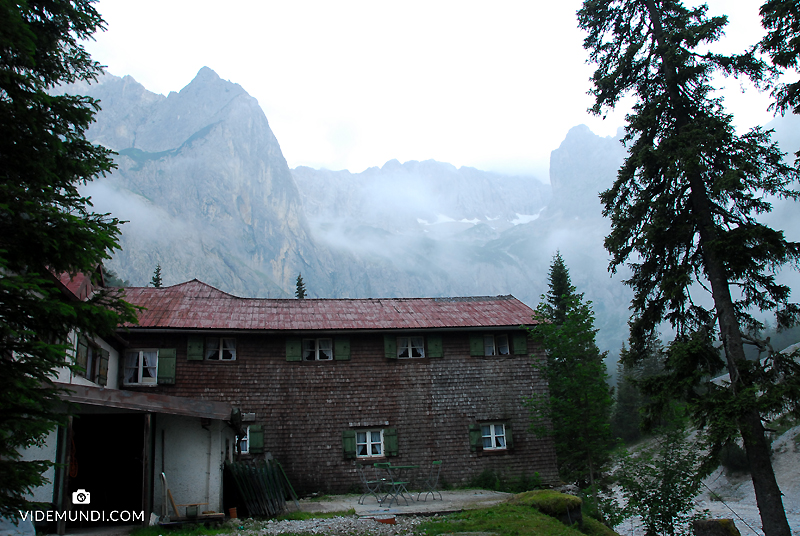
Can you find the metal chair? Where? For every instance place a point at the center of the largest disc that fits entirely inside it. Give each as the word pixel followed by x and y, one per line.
pixel 371 487
pixel 397 487
pixel 432 481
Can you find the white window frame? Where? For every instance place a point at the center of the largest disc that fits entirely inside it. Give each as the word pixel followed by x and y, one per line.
pixel 407 345
pixel 244 441
pixel 369 442
pixel 141 379
pixel 495 345
pixel 315 349
pixel 493 433
pixel 220 352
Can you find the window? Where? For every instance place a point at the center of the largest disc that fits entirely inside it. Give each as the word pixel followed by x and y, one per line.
pixel 220 349
pixel 494 436
pixel 495 345
pixel 369 443
pixel 93 361
pixel 244 441
pixel 317 349
pixel 410 347
pixel 141 367
pixel 498 344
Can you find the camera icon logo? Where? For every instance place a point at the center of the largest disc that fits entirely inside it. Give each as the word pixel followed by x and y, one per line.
pixel 81 497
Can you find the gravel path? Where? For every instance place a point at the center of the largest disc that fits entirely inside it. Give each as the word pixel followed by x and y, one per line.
pixel 350 525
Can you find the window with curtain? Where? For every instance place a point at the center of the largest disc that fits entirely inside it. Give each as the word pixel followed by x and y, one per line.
pixel 495 345
pixel 244 441
pixel 141 367
pixel 494 436
pixel 317 349
pixel 408 347
pixel 221 349
pixel 369 443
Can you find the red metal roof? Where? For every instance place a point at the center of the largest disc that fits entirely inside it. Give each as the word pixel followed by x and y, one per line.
pixel 79 285
pixel 196 305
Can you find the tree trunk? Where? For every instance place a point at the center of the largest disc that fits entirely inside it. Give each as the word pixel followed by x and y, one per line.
pixel 768 494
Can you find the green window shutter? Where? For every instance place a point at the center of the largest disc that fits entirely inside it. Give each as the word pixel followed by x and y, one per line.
pixel 390 346
pixel 435 346
pixel 294 349
pixel 102 369
pixel 509 436
pixel 390 441
pixel 341 348
pixel 475 438
pixel 81 355
pixel 166 366
pixel 194 348
pixel 520 343
pixel 476 344
pixel 256 444
pixel 349 444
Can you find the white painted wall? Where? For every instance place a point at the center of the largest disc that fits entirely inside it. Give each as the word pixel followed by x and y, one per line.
pixel 193 459
pixel 47 451
pixel 64 375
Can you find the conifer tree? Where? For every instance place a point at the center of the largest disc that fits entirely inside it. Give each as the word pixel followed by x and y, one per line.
pixel 300 290
pixel 629 403
pixel 684 211
pixel 782 43
pixel 156 280
pixel 579 402
pixel 46 227
pixel 560 289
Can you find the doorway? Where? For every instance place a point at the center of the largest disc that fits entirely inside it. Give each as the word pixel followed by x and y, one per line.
pixel 107 463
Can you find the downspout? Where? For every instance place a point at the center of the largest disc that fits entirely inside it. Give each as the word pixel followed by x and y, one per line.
pixel 208 469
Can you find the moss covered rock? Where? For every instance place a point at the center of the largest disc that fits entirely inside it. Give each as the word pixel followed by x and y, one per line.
pixel 566 508
pixel 715 527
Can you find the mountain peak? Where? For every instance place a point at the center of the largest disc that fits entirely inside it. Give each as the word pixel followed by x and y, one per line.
pixel 206 74
pixel 208 84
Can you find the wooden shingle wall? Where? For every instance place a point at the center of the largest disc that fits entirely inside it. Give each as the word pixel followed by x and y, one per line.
pixel 303 407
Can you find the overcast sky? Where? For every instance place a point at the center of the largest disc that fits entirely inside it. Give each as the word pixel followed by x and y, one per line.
pixel 349 85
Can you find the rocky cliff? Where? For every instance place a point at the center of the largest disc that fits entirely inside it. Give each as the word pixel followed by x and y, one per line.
pixel 207 192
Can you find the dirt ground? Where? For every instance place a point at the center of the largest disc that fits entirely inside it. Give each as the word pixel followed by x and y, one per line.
pixel 451 501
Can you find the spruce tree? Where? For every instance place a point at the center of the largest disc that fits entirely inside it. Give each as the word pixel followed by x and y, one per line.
pixel 579 402
pixel 156 280
pixel 683 216
pixel 782 43
pixel 46 227
pixel 300 288
pixel 560 289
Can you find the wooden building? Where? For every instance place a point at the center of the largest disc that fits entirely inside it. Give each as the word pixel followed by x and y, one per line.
pixel 324 383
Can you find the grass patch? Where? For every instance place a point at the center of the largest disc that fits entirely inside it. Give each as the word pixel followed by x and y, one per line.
pixel 593 527
pixel 183 530
pixel 510 520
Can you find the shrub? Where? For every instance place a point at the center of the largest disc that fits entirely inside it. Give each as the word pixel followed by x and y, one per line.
pixel 734 459
pixel 660 483
pixel 492 480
